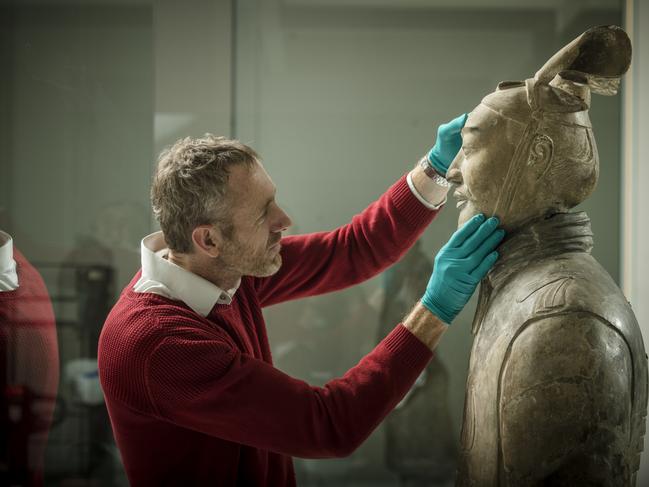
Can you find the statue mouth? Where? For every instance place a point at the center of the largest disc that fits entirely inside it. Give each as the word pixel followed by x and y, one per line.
pixel 461 198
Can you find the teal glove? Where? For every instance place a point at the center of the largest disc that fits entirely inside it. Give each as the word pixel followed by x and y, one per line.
pixel 460 265
pixel 447 145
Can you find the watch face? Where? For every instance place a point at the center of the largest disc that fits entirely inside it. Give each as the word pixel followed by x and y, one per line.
pixel 441 181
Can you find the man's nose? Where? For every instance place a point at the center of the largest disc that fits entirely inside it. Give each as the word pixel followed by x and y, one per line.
pixel 283 221
pixel 454 173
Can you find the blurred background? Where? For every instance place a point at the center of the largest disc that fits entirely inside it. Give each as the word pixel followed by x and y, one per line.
pixel 340 98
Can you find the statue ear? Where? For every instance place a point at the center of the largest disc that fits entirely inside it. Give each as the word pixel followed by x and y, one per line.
pixel 540 156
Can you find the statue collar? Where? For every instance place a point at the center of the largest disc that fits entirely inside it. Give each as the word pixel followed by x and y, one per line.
pixel 541 238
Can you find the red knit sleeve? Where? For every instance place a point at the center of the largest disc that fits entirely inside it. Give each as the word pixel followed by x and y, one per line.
pixel 210 387
pixel 328 261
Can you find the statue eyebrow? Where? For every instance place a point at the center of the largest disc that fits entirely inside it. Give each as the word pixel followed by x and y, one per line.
pixel 469 130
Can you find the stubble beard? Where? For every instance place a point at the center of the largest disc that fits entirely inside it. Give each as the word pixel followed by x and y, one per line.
pixel 268 267
pixel 240 259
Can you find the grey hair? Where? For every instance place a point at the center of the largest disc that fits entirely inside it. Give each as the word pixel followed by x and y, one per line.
pixel 189 186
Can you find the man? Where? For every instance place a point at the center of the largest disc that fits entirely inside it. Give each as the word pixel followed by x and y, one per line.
pixel 29 368
pixel 184 358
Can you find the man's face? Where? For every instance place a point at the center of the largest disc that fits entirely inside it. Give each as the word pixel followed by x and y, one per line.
pixel 479 170
pixel 253 249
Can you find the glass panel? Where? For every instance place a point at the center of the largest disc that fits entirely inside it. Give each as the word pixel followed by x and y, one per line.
pixel 341 98
pixel 90 92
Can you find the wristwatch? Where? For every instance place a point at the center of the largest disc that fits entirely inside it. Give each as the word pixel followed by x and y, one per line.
pixel 430 171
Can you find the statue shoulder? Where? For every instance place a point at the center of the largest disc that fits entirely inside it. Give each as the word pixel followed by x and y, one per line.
pixel 565 393
pixel 573 343
pixel 577 283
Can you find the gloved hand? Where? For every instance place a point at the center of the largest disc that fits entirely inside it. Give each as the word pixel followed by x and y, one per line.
pixel 460 265
pixel 447 145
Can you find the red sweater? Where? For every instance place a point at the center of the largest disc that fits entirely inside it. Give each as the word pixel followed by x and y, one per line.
pixel 197 401
pixel 29 375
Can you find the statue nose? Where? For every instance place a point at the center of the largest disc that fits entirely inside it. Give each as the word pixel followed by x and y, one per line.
pixel 454 174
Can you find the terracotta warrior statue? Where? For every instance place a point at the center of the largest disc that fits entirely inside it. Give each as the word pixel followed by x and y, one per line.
pixel 557 386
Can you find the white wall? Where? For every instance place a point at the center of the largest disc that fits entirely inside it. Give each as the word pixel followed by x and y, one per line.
pixel 79 131
pixel 192 65
pixel 635 235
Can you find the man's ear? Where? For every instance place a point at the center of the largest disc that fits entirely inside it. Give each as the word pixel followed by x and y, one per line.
pixel 207 240
pixel 540 156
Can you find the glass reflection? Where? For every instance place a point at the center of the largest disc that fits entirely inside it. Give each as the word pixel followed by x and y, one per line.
pixel 420 444
pixel 29 368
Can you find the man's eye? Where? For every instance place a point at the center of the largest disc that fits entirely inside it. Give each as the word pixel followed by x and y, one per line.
pixel 467 150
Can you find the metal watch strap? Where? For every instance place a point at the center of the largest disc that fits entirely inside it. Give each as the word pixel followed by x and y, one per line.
pixel 432 173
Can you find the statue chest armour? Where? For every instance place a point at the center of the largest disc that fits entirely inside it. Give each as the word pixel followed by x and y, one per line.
pixel 533 289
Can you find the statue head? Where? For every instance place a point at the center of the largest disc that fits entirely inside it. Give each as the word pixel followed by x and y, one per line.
pixel 528 148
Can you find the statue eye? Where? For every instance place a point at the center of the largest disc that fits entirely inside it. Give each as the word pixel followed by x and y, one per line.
pixel 466 150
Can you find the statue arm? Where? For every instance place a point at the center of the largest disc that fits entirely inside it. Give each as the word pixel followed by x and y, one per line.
pixel 565 403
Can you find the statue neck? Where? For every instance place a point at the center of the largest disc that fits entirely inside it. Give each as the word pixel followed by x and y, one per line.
pixel 542 238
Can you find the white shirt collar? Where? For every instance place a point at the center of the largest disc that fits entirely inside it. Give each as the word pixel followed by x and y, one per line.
pixel 165 278
pixel 8 274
